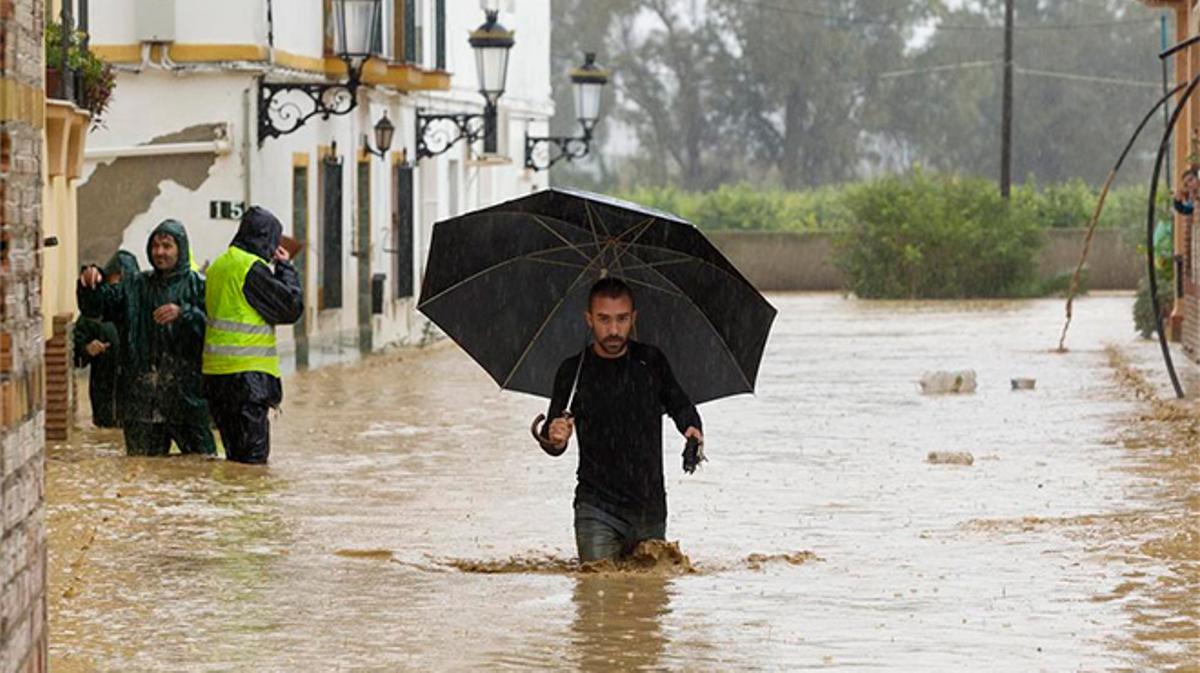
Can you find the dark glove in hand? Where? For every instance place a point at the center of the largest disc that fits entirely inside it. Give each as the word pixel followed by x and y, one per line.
pixel 692 455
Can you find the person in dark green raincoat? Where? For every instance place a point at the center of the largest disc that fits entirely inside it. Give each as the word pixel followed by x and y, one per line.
pixel 98 346
pixel 160 317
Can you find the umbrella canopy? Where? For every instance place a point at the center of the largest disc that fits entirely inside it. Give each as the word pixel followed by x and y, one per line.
pixel 509 283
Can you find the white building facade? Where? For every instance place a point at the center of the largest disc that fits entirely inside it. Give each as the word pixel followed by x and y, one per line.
pixel 181 139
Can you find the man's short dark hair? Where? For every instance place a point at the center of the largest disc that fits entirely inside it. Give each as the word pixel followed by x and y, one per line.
pixel 612 288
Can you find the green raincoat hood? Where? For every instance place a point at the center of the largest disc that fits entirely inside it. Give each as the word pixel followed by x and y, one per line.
pixel 123 262
pixel 176 230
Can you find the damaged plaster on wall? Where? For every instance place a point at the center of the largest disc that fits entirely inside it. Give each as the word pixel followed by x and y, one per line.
pixel 119 191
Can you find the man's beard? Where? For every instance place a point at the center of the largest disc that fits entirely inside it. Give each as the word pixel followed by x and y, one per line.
pixel 613 345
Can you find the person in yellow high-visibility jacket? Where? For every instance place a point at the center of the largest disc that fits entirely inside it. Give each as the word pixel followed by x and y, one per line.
pixel 245 299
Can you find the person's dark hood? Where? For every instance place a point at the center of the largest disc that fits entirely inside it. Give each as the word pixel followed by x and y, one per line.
pixel 259 233
pixel 175 229
pixel 124 263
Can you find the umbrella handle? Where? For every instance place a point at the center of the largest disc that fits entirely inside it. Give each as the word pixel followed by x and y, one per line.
pixel 535 428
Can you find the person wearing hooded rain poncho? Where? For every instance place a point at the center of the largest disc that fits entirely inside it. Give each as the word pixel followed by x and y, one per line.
pixel 160 317
pixel 246 299
pixel 98 346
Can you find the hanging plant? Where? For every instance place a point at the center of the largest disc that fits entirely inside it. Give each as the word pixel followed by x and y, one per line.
pixel 96 79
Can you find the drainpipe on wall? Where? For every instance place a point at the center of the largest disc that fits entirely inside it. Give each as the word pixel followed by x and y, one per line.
pixel 247 141
pixel 270 26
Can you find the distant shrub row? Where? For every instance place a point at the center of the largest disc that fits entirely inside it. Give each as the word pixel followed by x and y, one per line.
pixel 918 235
pixel 747 207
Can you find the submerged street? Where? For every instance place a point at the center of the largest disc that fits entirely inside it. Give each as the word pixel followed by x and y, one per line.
pixel 408 522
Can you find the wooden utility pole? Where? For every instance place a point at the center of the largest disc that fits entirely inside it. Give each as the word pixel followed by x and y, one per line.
pixel 1007 113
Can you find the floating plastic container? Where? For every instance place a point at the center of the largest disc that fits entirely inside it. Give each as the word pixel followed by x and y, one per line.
pixel 950 458
pixel 1023 384
pixel 948 383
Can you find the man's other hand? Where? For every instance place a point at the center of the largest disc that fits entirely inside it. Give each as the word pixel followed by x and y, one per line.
pixel 96 347
pixel 693 431
pixel 167 313
pixel 91 277
pixel 560 431
pixel 281 254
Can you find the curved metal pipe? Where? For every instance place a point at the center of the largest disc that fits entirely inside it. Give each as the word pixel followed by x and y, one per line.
pixel 1150 218
pixel 1182 45
pixel 1112 174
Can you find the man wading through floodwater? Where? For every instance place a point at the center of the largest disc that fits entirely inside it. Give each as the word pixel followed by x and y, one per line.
pixel 617 395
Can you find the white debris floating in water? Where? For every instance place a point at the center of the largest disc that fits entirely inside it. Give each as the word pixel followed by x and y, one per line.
pixel 950 458
pixel 948 383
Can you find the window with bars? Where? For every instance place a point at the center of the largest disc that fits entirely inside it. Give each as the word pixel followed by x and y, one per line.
pixel 402 230
pixel 412 21
pixel 331 234
pixel 439 27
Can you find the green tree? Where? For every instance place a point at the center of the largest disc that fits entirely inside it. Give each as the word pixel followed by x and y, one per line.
pixel 1070 117
pixel 582 26
pixel 807 86
pixel 675 80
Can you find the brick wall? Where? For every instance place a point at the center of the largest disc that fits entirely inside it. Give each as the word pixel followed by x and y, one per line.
pixel 22 372
pixel 60 384
pixel 1190 337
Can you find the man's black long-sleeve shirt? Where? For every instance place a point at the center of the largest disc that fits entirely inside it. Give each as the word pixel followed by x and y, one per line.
pixel 618 410
pixel 276 295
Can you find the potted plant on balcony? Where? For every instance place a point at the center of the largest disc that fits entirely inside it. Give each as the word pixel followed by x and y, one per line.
pixel 94 79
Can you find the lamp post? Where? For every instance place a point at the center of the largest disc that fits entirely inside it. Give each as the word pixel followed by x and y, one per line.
pixel 383 137
pixel 437 133
pixel 355 35
pixel 588 81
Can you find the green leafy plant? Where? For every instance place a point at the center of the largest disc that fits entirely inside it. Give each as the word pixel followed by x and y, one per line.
pixel 744 207
pixel 1143 310
pixel 96 77
pixel 938 236
pixel 922 234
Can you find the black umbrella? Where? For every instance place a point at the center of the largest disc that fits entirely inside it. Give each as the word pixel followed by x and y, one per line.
pixel 509 284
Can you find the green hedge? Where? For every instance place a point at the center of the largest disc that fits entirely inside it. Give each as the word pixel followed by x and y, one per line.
pixel 745 207
pixel 748 207
pixel 934 236
pixel 919 235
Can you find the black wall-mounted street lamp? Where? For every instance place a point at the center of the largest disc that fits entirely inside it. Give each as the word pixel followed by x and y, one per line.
pixel 437 133
pixel 588 80
pixel 355 38
pixel 384 130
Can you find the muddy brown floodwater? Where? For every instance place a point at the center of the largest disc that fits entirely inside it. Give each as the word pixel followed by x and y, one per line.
pixel 407 521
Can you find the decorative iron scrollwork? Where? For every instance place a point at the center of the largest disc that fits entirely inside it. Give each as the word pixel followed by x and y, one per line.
pixel 540 153
pixel 439 132
pixel 280 113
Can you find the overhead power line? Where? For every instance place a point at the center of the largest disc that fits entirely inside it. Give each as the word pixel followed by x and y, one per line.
pixel 938 68
pixel 842 21
pixel 1088 78
pixel 1033 72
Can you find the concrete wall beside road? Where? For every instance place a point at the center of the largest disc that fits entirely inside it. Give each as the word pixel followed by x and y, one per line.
pixel 786 261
